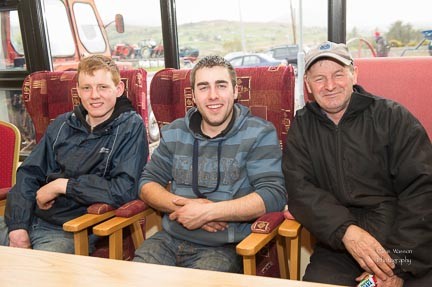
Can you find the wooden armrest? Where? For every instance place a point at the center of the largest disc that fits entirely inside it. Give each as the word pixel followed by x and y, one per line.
pixel 131 208
pixel 79 228
pixel 254 242
pixel 114 224
pixel 268 222
pixel 2 206
pixel 114 229
pixel 290 228
pixel 85 221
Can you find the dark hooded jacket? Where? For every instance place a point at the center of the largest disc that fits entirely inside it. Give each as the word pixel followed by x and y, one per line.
pixel 373 169
pixel 102 165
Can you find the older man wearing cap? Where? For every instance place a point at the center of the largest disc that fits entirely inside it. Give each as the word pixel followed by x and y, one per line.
pixel 358 171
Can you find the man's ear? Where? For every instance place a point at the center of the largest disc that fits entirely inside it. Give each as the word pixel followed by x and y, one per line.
pixel 309 90
pixel 355 74
pixel 193 96
pixel 120 88
pixel 78 90
pixel 236 92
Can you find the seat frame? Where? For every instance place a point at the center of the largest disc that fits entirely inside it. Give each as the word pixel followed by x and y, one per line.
pixel 13 165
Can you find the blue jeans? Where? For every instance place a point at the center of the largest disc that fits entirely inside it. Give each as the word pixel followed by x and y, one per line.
pixel 163 249
pixel 46 236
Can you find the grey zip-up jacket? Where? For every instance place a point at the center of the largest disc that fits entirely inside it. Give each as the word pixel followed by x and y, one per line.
pixel 102 166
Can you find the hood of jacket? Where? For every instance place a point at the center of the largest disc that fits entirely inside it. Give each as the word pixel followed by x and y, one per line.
pixel 360 100
pixel 240 115
pixel 78 116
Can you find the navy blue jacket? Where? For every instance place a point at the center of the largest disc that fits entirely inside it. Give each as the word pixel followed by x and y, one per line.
pixel 102 165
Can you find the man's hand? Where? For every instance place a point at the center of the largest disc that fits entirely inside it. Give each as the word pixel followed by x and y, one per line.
pixel 392 281
pixel 46 195
pixel 193 214
pixel 215 226
pixel 368 252
pixel 19 238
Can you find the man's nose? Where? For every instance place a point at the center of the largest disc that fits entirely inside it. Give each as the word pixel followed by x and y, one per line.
pixel 213 93
pixel 330 84
pixel 94 92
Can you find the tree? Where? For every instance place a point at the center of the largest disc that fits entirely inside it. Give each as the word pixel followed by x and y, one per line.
pixel 403 33
pixel 354 33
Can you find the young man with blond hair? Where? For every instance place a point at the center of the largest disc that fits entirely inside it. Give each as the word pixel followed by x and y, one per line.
pixel 93 154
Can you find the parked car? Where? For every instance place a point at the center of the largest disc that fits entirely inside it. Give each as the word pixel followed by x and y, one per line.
pixel 188 52
pixel 231 55
pixel 255 59
pixel 285 52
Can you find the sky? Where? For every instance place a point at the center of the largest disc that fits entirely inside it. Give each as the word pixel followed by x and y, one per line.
pixel 360 13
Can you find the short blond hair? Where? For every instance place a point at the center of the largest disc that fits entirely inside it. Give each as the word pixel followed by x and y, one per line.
pixel 90 64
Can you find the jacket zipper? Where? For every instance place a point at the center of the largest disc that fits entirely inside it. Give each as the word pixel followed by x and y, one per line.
pixel 339 167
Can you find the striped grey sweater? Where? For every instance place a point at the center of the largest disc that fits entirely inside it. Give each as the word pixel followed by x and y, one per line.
pixel 250 161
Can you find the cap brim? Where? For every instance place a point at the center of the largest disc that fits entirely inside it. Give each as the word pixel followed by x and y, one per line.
pixel 338 58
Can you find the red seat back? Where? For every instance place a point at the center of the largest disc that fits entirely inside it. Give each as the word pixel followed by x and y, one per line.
pixel 9 153
pixel 404 80
pixel 49 94
pixel 267 91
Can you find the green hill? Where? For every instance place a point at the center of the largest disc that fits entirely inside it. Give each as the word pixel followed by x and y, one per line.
pixel 221 37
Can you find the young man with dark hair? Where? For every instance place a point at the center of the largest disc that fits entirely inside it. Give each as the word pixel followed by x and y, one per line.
pixel 224 166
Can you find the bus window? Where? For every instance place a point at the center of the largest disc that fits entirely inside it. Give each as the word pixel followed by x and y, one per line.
pixel 228 28
pixel 11 48
pixel 12 59
pixel 392 30
pixel 88 28
pixel 59 29
pixel 141 42
pixel 12 110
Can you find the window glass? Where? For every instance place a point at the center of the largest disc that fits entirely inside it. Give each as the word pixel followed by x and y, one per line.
pixel 12 110
pixel 59 30
pixel 88 28
pixel 141 43
pixel 248 26
pixel 236 62
pixel 251 60
pixel 11 48
pixel 392 29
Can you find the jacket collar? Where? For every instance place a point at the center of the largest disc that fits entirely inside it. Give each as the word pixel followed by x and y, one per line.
pixel 360 100
pixel 122 105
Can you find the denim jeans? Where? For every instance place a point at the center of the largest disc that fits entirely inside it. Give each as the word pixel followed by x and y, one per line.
pixel 162 248
pixel 46 236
